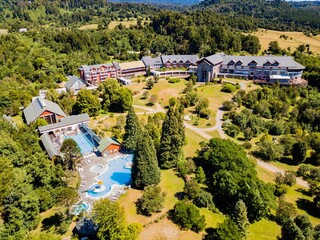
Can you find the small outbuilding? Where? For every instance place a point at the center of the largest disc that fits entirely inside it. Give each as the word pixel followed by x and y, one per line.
pixel 75 84
pixel 108 146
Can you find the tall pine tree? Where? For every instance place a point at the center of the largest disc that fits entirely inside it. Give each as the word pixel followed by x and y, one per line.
pixel 172 137
pixel 240 218
pixel 145 169
pixel 132 130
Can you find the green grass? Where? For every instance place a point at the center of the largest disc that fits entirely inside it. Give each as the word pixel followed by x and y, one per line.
pixel 212 219
pixel 193 140
pixel 264 230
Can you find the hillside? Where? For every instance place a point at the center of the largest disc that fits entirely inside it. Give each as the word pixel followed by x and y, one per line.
pixel 164 2
pixel 274 14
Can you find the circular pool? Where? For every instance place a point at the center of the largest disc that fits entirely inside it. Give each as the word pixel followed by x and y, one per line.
pixel 96 168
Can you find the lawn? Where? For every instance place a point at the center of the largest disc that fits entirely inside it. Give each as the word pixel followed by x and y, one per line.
pixel 264 230
pixel 193 140
pixel 294 39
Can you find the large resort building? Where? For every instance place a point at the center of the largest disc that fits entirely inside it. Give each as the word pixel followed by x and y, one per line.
pixel 262 68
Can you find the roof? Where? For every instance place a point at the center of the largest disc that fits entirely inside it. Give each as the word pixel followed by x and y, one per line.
pixel 279 77
pixel 106 142
pixel 283 61
pixel 215 59
pixel 72 80
pixel 38 106
pixel 129 65
pixel 149 61
pixel 192 58
pixel 74 119
pixel 86 68
pixel 49 145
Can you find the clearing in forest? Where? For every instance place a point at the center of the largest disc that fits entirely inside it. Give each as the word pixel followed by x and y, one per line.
pixel 293 41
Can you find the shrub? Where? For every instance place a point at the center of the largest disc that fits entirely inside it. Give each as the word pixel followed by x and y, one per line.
pixel 247 145
pixel 205 113
pixel 187 216
pixel 191 189
pixel 174 80
pixel 232 130
pixel 151 201
pixel 289 178
pixel 229 88
pixel 280 190
pixel 204 199
pixel 227 105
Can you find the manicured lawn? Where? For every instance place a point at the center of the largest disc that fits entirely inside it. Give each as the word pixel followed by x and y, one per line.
pixel 264 230
pixel 294 39
pixel 212 219
pixel 214 134
pixel 193 140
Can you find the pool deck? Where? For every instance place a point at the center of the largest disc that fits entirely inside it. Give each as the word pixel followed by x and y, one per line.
pixel 88 178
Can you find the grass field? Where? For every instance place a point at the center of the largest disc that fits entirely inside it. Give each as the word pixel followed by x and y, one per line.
pixel 263 230
pixel 193 140
pixel 89 27
pixel 294 39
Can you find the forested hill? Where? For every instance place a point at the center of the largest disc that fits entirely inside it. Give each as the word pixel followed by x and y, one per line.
pixel 274 14
pixel 163 2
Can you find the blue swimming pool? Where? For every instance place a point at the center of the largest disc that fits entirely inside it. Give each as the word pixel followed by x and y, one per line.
pixel 117 173
pixel 84 141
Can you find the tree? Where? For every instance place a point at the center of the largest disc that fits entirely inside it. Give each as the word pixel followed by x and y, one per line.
pixel 6 178
pixel 274 47
pixel 203 103
pixel 66 196
pixel 150 84
pixel 304 224
pixel 132 130
pixel 151 201
pixel 87 103
pixel 153 99
pixel 290 231
pixel 187 216
pixel 200 175
pixel 227 105
pixel 299 151
pixel 240 218
pixel 228 230
pixel 172 138
pixel 204 199
pixel 191 189
pixel 71 153
pixel 285 211
pixel 316 234
pixel 111 220
pixel 145 170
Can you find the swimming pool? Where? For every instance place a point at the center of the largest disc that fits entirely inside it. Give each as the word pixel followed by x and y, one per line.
pixel 117 173
pixel 85 142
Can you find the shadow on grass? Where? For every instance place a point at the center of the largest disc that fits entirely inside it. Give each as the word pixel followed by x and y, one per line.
pixel 53 221
pixel 308 206
pixel 288 161
pixel 304 192
pixel 179 195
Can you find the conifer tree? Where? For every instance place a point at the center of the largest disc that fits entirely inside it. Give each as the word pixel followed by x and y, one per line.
pixel 132 130
pixel 145 169
pixel 240 218
pixel 172 137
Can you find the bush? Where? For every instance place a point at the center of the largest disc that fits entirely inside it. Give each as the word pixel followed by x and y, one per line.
pixel 191 189
pixel 280 190
pixel 229 88
pixel 227 105
pixel 247 145
pixel 174 80
pixel 187 216
pixel 205 113
pixel 204 199
pixel 151 201
pixel 232 130
pixel 289 178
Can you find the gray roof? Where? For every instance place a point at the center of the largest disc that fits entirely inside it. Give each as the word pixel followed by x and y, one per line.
pixel 192 58
pixel 72 80
pixel 74 119
pixel 284 61
pixel 38 106
pixel 214 59
pixel 49 145
pixel 149 61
